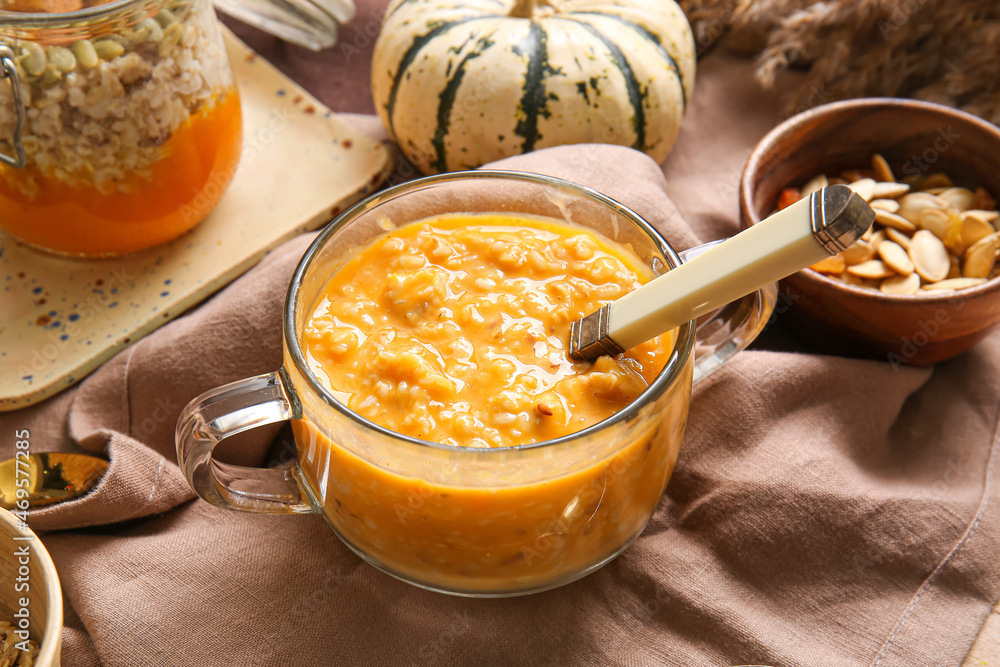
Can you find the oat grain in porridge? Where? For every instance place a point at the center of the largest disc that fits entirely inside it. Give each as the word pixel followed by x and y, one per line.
pixel 133 127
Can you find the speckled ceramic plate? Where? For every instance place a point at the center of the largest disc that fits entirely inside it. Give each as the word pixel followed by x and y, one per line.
pixel 61 318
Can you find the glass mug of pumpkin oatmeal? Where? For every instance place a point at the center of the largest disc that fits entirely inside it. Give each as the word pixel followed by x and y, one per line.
pixel 120 122
pixel 440 427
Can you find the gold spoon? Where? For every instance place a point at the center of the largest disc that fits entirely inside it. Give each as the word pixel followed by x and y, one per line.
pixel 44 479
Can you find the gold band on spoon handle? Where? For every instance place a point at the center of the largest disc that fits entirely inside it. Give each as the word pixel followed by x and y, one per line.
pixel 823 224
pixel 47 478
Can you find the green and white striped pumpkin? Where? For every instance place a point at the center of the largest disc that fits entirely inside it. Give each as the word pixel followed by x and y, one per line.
pixel 459 83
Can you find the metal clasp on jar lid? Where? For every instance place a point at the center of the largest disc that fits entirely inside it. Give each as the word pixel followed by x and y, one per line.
pixel 9 71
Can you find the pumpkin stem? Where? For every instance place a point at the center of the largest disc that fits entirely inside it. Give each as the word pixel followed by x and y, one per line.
pixel 525 9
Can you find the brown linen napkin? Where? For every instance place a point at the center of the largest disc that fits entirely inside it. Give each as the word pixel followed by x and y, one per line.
pixel 824 511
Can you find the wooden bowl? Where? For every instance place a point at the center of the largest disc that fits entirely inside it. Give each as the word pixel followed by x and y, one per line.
pixel 44 594
pixel 915 138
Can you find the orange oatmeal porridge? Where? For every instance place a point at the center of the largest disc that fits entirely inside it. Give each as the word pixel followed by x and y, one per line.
pixel 454 330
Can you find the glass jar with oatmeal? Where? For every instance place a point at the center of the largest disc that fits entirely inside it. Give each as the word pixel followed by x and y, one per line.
pixel 120 124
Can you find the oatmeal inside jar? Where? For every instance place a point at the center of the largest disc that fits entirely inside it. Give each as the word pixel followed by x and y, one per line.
pixel 132 127
pixel 455 330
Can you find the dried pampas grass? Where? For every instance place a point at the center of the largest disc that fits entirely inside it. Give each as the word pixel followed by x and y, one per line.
pixel 945 51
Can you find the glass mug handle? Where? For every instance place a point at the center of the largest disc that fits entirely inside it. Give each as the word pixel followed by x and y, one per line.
pixel 245 404
pixel 224 412
pixel 724 332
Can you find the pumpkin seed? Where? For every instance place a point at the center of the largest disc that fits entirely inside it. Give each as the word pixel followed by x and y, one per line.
pixel 85 53
pixel 895 257
pixel 890 190
pixel 890 205
pixel 974 227
pixel 815 184
pixel 165 17
pixel 852 279
pixel 960 198
pixel 121 39
pixel 898 237
pixel 864 187
pixel 901 284
pixel 955 271
pixel 929 231
pixel 935 221
pixel 912 205
pixel 881 169
pixel 858 252
pixel 874 269
pixel 148 30
pixel 953 284
pixel 106 49
pixel 852 175
pixel 893 221
pixel 62 59
pixel 980 257
pixel 834 264
pixel 50 77
pixel 953 235
pixel 988 216
pixel 937 180
pixel 33 59
pixel 930 257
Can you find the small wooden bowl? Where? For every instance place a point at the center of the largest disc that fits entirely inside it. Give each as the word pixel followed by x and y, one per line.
pixel 44 594
pixel 915 138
